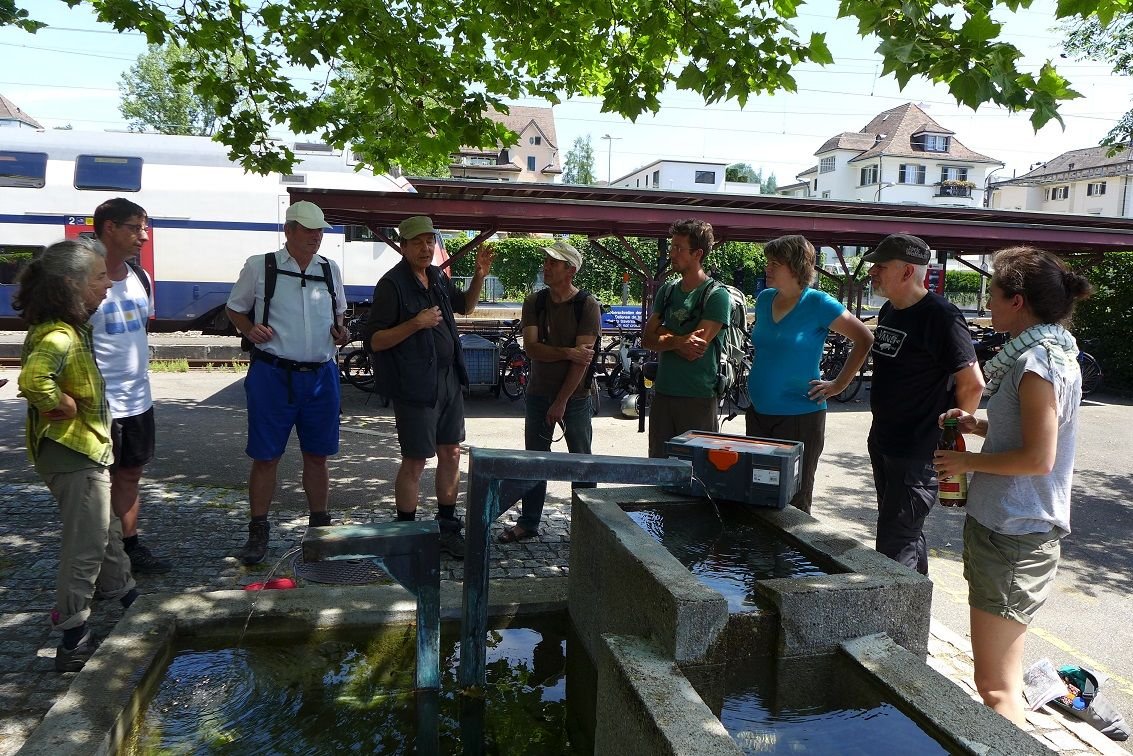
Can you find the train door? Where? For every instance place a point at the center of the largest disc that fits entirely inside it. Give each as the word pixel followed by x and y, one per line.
pixel 83 226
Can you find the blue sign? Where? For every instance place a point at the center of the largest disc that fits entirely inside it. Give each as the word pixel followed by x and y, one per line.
pixel 628 317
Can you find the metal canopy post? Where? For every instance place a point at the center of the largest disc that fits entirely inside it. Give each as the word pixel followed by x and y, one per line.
pixel 410 553
pixel 487 468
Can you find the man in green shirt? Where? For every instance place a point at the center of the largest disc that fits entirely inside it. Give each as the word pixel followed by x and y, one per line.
pixel 687 316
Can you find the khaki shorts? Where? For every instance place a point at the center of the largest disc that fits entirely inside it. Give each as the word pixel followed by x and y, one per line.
pixel 1009 576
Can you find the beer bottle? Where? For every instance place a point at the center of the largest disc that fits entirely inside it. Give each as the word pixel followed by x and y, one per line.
pixel 954 488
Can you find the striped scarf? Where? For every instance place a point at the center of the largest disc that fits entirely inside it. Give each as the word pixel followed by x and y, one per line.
pixel 1057 341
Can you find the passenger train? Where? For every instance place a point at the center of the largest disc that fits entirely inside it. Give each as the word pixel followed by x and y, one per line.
pixel 206 214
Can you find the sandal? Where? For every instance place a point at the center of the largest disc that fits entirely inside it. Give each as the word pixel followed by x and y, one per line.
pixel 515 533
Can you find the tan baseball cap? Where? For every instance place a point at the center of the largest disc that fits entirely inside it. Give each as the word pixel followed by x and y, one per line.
pixel 307 215
pixel 565 251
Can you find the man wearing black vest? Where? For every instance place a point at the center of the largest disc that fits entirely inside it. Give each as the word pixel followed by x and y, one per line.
pixel 560 326
pixel 419 366
pixel 293 379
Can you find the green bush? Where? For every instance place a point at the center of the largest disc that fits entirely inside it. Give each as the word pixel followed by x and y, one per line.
pixel 1106 318
pixel 518 261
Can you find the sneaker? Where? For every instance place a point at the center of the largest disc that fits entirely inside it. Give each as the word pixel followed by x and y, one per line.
pixel 256 548
pixel 72 660
pixel 452 540
pixel 143 562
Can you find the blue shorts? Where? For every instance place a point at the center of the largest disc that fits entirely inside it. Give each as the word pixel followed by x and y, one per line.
pixel 280 399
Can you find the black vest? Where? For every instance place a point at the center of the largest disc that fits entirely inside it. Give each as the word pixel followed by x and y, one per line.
pixel 408 371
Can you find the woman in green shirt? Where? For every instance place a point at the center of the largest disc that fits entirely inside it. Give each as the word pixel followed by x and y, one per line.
pixel 68 434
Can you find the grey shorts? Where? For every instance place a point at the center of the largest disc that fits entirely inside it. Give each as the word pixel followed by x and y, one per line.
pixel 420 430
pixel 1009 576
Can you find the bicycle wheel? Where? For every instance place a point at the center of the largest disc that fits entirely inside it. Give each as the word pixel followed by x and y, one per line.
pixel 514 380
pixel 595 397
pixel 617 385
pixel 358 369
pixel 1091 373
pixel 851 389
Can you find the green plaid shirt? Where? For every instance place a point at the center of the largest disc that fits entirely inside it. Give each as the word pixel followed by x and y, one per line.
pixel 57 359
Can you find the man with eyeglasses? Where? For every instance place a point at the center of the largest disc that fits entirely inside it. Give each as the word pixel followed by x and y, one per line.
pixel 687 316
pixel 560 325
pixel 121 349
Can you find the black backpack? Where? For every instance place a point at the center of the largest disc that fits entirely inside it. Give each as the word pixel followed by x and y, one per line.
pixel 271 272
pixel 140 272
pixel 579 301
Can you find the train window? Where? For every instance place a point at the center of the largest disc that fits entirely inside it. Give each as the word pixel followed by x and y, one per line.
pixel 27 170
pixel 360 234
pixel 108 173
pixel 13 258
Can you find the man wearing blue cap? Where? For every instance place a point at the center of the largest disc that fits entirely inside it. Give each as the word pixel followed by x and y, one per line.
pixel 297 300
pixel 419 366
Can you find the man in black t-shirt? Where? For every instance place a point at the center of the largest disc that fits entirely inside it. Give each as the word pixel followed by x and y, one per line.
pixel 923 364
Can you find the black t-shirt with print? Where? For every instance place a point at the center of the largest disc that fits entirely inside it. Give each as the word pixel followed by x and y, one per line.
pixel 916 351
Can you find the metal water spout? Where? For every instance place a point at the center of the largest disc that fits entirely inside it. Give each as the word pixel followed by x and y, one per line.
pixel 410 553
pixel 487 469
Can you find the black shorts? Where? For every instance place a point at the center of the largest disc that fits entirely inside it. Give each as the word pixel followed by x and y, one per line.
pixel 133 439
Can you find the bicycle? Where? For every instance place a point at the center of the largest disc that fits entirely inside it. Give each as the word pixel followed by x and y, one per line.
pixel 356 366
pixel 835 353
pixel 515 365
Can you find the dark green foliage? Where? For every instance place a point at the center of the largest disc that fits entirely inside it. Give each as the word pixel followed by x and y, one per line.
pixel 429 82
pixel 962 281
pixel 1106 318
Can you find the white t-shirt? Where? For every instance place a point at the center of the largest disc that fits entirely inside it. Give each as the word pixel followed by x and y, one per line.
pixel 121 348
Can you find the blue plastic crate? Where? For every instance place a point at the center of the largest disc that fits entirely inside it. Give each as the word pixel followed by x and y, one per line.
pixel 482 358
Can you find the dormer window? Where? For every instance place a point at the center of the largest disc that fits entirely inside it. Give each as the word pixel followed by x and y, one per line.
pixel 931 142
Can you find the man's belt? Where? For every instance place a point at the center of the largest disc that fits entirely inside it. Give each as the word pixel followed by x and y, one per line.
pixel 286 364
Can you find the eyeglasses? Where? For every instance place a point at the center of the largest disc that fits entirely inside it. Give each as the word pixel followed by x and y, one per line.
pixel 675 248
pixel 137 228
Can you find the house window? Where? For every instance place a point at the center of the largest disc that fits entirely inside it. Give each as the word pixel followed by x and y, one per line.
pixel 931 142
pixel 530 162
pixel 107 173
pixel 951 173
pixel 1060 193
pixel 535 140
pixel 1095 189
pixel 364 234
pixel 869 175
pixel 657 178
pixel 705 177
pixel 826 165
pixel 909 173
pixel 826 194
pixel 26 170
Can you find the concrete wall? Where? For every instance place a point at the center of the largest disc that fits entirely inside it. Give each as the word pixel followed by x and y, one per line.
pixel 646 705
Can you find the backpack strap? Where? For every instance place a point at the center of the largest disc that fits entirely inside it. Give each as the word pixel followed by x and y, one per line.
pixel 541 298
pixel 329 278
pixel 133 264
pixel 270 273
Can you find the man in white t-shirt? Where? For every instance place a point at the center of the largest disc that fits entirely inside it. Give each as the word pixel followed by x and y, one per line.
pixel 121 349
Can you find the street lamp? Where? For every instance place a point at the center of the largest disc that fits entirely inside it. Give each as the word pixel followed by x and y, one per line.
pixel 610 158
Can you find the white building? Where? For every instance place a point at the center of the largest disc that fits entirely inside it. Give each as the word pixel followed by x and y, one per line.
pixel 684 176
pixel 1084 182
pixel 13 118
pixel 902 155
pixel 533 158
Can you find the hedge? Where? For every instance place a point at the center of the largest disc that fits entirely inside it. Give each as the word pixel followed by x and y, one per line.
pixel 1103 322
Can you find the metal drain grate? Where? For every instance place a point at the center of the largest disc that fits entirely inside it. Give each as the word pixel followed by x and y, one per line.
pixel 339 571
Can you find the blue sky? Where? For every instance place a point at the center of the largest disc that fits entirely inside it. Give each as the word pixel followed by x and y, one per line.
pixel 69 73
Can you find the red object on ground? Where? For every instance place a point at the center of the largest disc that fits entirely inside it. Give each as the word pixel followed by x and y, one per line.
pixel 275 584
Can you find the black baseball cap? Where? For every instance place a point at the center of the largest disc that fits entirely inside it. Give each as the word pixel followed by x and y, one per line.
pixel 904 247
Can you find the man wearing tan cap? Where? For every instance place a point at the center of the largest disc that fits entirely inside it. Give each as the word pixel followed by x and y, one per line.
pixel 923 365
pixel 293 379
pixel 560 326
pixel 419 366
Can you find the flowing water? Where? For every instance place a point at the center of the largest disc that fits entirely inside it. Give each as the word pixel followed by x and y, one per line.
pixel 723 548
pixel 328 693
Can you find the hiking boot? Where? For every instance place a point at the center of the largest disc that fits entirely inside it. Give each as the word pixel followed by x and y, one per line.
pixel 256 548
pixel 144 562
pixel 72 660
pixel 451 540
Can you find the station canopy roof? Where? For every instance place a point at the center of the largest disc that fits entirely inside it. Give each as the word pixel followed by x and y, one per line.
pixel 488 207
